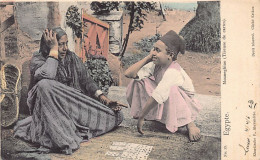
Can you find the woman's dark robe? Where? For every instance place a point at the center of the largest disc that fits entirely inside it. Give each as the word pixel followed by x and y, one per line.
pixel 63 114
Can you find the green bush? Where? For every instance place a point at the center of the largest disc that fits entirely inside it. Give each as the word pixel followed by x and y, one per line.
pixel 201 36
pixel 73 20
pixel 202 33
pixel 100 72
pixel 103 7
pixel 127 61
pixel 145 45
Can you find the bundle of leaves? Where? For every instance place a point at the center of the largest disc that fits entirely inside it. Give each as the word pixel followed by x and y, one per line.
pixel 103 7
pixel 145 45
pixel 127 61
pixel 73 20
pixel 202 33
pixel 99 71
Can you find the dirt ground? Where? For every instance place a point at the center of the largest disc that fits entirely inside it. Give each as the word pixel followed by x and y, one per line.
pixel 165 144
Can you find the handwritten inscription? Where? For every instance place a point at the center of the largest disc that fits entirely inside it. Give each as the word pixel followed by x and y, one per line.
pixel 252 104
pixel 247 128
pixel 250 130
pixel 246 147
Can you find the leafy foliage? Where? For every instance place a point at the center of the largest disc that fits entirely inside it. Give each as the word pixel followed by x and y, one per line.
pixel 137 11
pixel 145 45
pixel 97 65
pixel 103 7
pixel 140 10
pixel 99 71
pixel 73 20
pixel 129 60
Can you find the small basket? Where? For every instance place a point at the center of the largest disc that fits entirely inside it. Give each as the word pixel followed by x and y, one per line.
pixel 9 94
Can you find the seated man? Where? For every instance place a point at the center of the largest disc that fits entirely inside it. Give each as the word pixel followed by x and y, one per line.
pixel 161 90
pixel 62 99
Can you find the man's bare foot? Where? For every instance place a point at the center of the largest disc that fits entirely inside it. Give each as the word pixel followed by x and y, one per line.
pixel 140 124
pixel 194 132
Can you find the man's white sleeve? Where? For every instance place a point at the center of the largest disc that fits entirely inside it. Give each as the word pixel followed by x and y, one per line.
pixel 170 78
pixel 146 71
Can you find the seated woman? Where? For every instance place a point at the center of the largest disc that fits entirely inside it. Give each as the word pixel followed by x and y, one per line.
pixel 162 90
pixel 63 99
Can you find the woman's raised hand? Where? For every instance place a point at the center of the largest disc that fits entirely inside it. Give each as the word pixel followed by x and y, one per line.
pixel 50 39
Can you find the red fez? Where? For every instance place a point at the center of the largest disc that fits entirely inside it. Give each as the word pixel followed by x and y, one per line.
pixel 174 42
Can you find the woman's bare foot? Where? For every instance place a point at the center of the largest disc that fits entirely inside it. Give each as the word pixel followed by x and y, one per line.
pixel 194 132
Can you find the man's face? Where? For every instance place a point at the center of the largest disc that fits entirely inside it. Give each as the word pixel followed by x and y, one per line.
pixel 63 46
pixel 159 52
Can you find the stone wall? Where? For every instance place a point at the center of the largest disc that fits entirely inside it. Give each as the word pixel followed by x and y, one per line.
pixel 32 18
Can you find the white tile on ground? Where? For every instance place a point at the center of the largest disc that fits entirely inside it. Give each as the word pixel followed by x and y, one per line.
pixel 121 158
pixel 131 155
pixel 142 156
pixel 129 151
pixel 119 143
pixel 117 148
pixel 113 154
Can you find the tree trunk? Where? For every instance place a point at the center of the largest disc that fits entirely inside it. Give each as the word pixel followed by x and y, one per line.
pixel 129 30
pixel 162 11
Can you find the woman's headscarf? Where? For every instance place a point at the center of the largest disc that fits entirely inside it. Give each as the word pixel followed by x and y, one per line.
pixel 71 71
pixel 44 49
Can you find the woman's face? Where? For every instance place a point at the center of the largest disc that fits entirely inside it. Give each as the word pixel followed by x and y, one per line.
pixel 63 46
pixel 159 52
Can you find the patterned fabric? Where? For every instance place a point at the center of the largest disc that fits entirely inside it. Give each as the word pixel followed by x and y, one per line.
pixel 71 71
pixel 178 110
pixel 62 114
